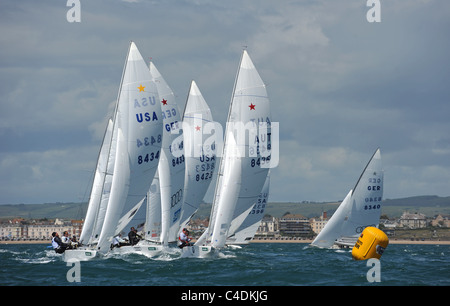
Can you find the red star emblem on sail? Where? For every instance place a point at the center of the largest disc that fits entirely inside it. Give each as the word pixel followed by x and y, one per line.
pixel 197 128
pixel 252 106
pixel 164 101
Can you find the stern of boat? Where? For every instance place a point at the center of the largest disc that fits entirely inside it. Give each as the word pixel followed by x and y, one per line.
pixel 150 249
pixel 79 255
pixel 198 251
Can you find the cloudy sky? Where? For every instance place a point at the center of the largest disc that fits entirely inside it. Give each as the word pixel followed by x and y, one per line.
pixel 339 86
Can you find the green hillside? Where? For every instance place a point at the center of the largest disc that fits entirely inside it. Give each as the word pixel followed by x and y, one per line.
pixel 393 208
pixel 46 210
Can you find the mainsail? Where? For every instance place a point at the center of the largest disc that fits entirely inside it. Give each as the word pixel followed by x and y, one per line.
pixel 138 133
pixel 166 191
pixel 360 208
pixel 242 174
pixel 199 152
pixel 95 214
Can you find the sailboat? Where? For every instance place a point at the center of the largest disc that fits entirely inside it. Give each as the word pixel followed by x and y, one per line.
pixel 245 163
pixel 164 198
pixel 127 161
pixel 199 151
pixel 359 209
pixel 171 168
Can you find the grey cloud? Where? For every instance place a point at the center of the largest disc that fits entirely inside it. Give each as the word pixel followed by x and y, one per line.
pixel 339 86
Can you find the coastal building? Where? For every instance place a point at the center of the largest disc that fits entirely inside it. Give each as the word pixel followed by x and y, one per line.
pixel 39 230
pixel 197 227
pixel 317 224
pixel 268 226
pixel 10 231
pixel 389 224
pixel 441 221
pixel 294 225
pixel 412 221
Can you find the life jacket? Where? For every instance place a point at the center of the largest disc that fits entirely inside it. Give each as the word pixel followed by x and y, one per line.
pixel 185 236
pixel 55 244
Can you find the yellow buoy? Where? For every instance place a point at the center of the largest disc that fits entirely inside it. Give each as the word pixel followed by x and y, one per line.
pixel 370 244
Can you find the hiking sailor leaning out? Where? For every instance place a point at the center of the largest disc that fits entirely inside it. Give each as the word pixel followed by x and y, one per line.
pixel 184 238
pixel 57 243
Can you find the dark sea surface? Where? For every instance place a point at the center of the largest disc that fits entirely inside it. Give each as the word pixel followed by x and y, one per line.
pixel 258 264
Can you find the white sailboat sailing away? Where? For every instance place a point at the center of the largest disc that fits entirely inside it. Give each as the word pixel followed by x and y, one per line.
pixel 360 208
pixel 245 162
pixel 133 155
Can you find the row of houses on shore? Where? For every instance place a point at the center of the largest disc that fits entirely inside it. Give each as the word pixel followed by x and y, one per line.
pixel 290 225
pixel 300 226
pixel 21 229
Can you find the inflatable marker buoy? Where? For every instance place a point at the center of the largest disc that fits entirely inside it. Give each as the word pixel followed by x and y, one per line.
pixel 370 244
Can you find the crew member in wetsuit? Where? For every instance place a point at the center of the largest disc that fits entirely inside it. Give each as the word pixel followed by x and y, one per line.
pixel 133 237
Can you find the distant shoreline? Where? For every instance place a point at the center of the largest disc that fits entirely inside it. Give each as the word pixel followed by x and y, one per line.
pixel 393 241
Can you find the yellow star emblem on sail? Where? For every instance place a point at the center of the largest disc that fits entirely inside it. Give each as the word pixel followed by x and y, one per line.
pixel 141 88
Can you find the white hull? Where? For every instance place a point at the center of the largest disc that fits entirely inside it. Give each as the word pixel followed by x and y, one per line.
pixel 145 248
pixel 80 254
pixel 345 242
pixel 197 251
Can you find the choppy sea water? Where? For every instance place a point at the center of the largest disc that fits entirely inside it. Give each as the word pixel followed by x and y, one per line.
pixel 258 264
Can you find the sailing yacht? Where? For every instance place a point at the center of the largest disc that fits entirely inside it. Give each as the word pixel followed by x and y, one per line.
pixel 359 209
pixel 246 159
pixel 164 198
pixel 199 151
pixel 127 161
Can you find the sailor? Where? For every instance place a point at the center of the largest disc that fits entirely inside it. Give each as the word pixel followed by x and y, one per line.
pixel 133 237
pixel 66 240
pixel 57 244
pixel 116 242
pixel 184 238
pixel 73 242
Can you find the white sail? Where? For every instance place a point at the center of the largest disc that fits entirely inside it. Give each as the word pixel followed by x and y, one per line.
pixel 250 113
pixel 153 213
pixel 171 168
pixel 242 230
pixel 138 127
pixel 249 120
pixel 232 184
pixel 92 213
pixel 126 219
pixel 199 152
pixel 247 133
pixel 360 208
pixel 106 188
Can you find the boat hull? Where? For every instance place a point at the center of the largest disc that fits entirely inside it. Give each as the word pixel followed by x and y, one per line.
pixel 196 251
pixel 345 242
pixel 145 248
pixel 79 255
